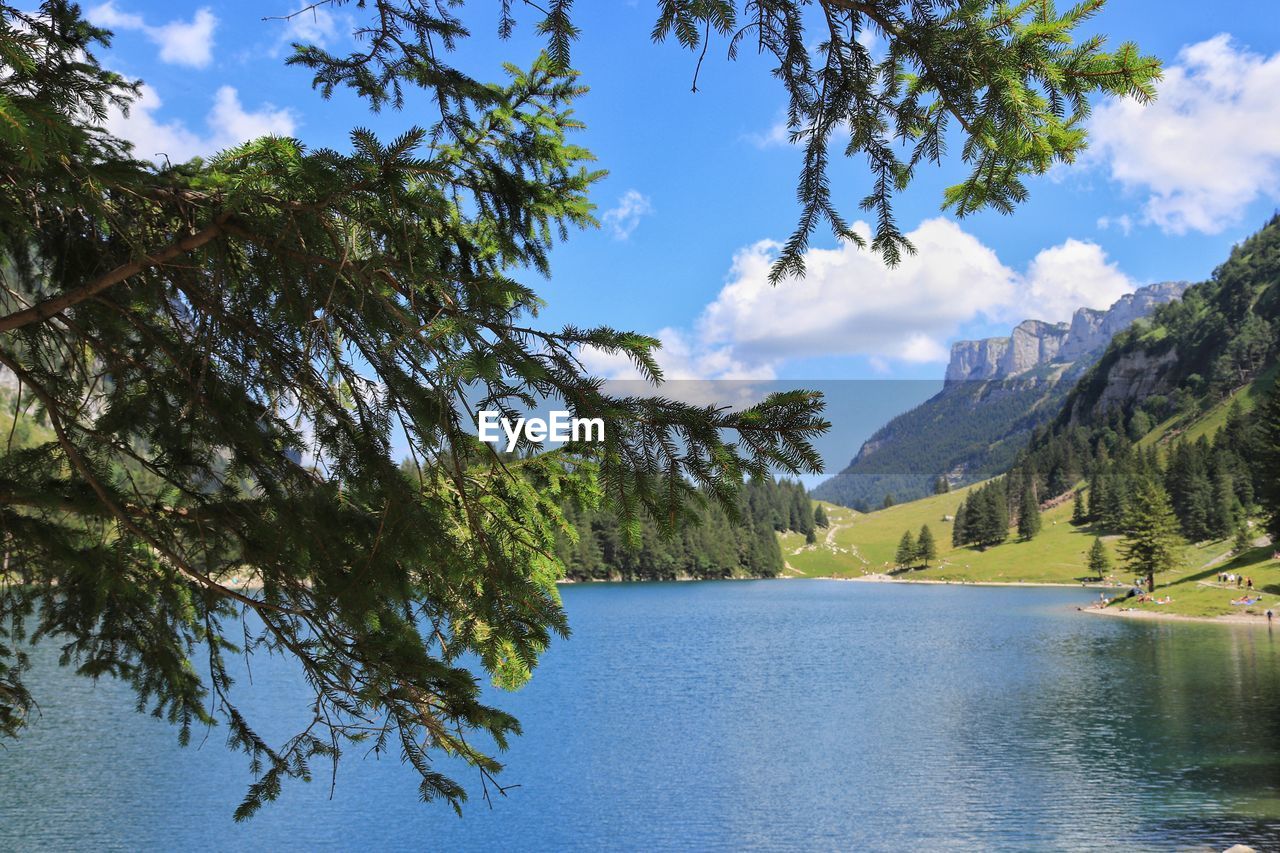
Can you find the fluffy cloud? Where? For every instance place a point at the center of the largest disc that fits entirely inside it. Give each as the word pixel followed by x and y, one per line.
pixel 1072 275
pixel 227 121
pixel 851 304
pixel 314 25
pixel 776 136
pixel 1207 147
pixel 187 43
pixel 623 217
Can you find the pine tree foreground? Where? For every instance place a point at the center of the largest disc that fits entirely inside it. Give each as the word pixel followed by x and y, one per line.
pixel 227 350
pixel 1151 541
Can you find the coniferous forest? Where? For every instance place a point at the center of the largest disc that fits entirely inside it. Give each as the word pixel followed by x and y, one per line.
pixel 1219 338
pixel 716 546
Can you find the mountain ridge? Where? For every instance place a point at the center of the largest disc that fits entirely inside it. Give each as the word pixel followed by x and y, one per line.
pixel 997 391
pixel 1034 342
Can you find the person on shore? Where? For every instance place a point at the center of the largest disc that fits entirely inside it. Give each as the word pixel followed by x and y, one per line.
pixel 1248 582
pixel 1239 581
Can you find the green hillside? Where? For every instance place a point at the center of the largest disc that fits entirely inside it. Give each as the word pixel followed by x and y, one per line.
pixel 974 427
pixel 863 545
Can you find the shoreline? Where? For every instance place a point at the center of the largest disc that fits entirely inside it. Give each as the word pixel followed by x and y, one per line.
pixel 880 577
pixel 1252 620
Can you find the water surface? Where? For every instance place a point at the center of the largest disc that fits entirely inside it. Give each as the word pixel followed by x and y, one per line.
pixel 751 715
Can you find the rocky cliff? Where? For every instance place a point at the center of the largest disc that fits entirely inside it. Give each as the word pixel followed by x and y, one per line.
pixel 1034 342
pixel 997 392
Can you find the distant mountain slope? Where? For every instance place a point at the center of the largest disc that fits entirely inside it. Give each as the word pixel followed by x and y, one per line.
pixel 997 391
pixel 1194 353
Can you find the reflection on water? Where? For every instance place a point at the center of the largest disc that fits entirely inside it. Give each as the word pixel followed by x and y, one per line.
pixel 763 715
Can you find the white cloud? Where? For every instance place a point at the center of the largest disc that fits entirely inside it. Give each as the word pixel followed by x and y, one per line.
pixel 623 218
pixel 314 25
pixel 776 136
pixel 1207 147
pixel 180 42
pixel 679 359
pixel 228 124
pixel 1123 223
pixel 851 304
pixel 1072 275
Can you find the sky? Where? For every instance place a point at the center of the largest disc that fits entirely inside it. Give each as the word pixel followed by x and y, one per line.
pixel 701 186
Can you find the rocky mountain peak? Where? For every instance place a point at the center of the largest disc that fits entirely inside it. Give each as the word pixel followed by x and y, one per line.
pixel 1034 342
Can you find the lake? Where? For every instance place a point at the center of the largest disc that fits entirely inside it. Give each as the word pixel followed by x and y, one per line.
pixel 739 715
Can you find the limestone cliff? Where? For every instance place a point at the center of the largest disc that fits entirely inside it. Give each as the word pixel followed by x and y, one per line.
pixel 997 391
pixel 1035 342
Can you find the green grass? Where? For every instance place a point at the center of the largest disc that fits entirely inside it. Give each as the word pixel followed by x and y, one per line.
pixel 1057 555
pixel 1194 590
pixel 867 543
pixel 1208 423
pixel 823 559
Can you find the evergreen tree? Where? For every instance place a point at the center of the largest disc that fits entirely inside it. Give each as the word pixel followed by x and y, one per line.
pixel 907 553
pixel 959 532
pixel 1240 543
pixel 926 547
pixel 1028 513
pixel 1224 508
pixel 1079 515
pixel 888 502
pixel 1099 561
pixel 227 352
pixel 1152 542
pixel 235 316
pixel 942 486
pixel 987 517
pixel 1268 472
pixel 820 517
pixel 1097 497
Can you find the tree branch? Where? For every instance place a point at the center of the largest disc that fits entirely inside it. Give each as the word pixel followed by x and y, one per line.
pixel 42 311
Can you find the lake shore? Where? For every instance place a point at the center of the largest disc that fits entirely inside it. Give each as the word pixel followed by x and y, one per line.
pixel 880 577
pixel 1251 619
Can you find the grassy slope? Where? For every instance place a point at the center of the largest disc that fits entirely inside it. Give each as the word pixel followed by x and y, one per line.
pixel 1213 420
pixel 865 544
pixel 1195 591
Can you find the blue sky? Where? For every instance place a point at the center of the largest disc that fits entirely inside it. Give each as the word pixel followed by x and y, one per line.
pixel 701 183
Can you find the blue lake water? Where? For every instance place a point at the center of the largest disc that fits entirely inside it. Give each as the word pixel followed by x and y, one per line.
pixel 752 715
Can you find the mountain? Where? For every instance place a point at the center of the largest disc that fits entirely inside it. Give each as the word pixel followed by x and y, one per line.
pixel 997 391
pixel 1034 342
pixel 1219 338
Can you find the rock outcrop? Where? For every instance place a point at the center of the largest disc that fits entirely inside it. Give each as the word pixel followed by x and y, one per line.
pixel 1034 342
pixel 997 391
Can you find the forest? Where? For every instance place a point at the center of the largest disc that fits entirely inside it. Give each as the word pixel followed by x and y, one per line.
pixel 717 545
pixel 1222 336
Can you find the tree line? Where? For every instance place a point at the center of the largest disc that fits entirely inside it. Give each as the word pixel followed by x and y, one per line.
pixel 916 550
pixel 718 544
